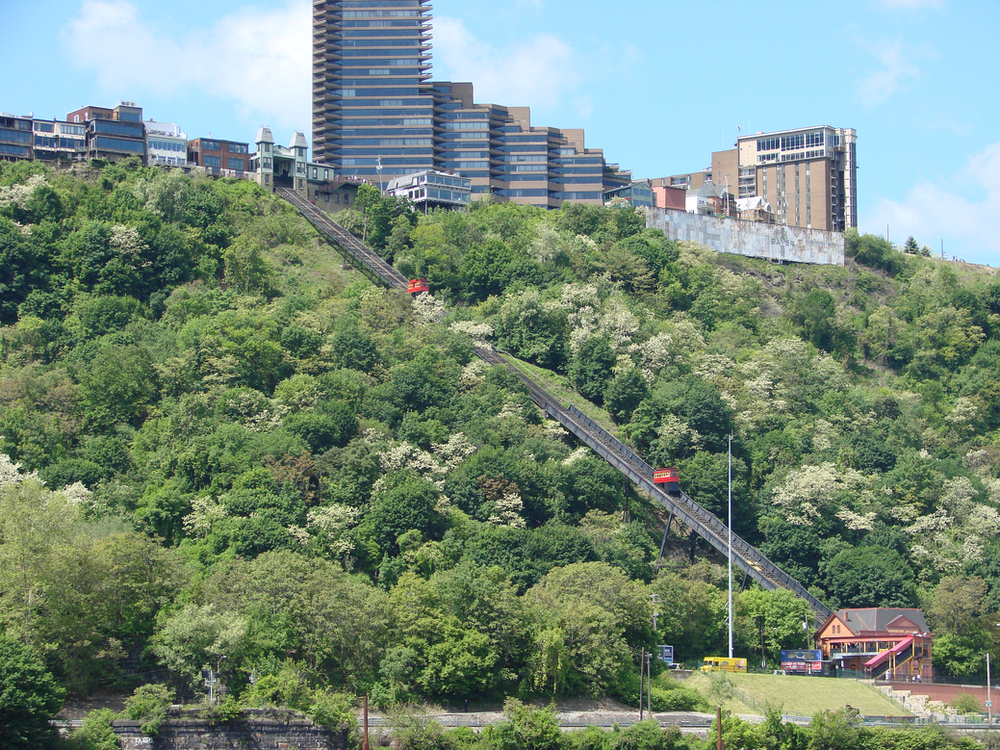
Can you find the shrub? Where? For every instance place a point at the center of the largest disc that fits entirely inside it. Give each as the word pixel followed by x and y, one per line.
pixel 148 704
pixel 966 703
pixel 96 732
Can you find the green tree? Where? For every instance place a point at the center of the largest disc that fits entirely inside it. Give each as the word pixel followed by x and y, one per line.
pixel 625 393
pixel 532 330
pixel 590 368
pixel 771 620
pixel 246 269
pixel 336 624
pixel 459 662
pixel 955 603
pixel 29 698
pixel 870 577
pixel 816 314
pixel 597 613
pixel 119 386
pixel 694 620
pixel 406 503
pixel 196 637
pixel 485 269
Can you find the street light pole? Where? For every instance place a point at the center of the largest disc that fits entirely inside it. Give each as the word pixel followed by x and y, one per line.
pixel 989 696
pixel 730 545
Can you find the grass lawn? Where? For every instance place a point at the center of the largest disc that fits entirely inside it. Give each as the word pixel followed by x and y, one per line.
pixel 800 696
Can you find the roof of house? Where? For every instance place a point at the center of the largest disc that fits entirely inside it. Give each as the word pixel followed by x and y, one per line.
pixel 884 620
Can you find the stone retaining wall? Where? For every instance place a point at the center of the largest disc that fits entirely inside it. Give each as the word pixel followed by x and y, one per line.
pixel 751 238
pixel 258 729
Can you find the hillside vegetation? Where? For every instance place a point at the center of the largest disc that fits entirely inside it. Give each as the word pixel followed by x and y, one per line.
pixel 224 449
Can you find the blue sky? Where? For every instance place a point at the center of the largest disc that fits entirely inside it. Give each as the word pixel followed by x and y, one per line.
pixel 658 85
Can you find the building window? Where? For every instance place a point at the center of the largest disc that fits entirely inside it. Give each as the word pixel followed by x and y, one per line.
pixel 213 161
pixel 12 136
pixel 238 164
pixel 210 146
pixel 116 144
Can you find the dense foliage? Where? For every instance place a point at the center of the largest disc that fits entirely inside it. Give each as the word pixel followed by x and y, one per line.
pixel 223 450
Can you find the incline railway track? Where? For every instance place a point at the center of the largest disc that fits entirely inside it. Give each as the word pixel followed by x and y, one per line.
pixel 370 260
pixel 702 521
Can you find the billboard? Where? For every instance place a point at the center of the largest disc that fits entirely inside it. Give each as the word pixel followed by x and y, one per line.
pixel 802 666
pixel 666 654
pixel 802 655
pixel 802 660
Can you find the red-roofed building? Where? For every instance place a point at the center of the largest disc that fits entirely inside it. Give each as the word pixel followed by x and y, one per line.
pixel 878 642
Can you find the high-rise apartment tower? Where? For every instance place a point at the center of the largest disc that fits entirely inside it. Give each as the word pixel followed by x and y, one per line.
pixel 377 114
pixel 372 105
pixel 808 176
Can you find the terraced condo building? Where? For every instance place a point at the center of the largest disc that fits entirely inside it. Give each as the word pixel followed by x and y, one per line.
pixel 377 114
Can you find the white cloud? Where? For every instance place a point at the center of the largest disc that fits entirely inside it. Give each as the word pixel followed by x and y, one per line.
pixel 258 59
pixel 963 210
pixel 896 66
pixel 537 72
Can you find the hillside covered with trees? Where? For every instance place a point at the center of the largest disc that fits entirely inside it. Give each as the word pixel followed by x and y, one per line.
pixel 223 448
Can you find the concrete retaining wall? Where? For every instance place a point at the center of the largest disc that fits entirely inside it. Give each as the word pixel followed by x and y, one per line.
pixel 259 729
pixel 751 238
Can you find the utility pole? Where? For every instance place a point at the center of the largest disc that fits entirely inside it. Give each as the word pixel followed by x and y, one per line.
pixel 364 744
pixel 642 674
pixel 649 684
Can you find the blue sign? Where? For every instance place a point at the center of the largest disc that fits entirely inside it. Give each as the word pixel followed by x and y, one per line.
pixel 802 655
pixel 666 654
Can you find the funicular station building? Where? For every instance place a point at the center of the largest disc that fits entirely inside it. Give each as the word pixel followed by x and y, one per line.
pixel 878 643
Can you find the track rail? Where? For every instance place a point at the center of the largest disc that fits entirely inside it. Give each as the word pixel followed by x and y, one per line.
pixel 363 254
pixel 706 524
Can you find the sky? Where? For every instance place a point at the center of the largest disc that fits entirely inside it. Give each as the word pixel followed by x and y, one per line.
pixel 658 85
